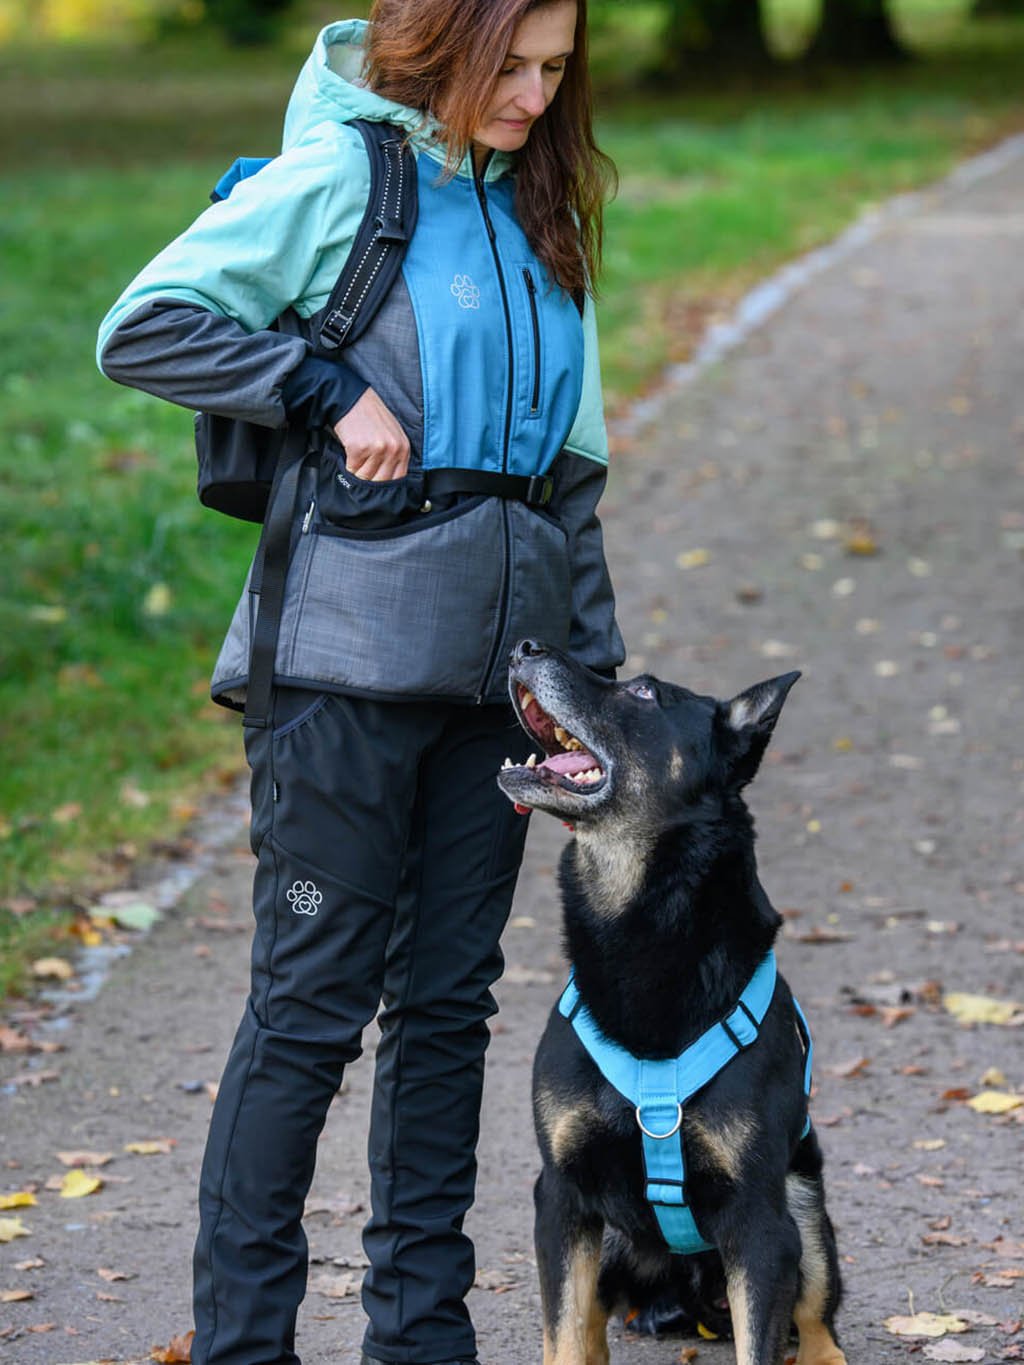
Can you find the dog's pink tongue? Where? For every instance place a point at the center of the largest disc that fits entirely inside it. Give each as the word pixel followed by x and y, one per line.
pixel 570 763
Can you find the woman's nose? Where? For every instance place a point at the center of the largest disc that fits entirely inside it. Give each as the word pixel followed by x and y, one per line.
pixel 531 98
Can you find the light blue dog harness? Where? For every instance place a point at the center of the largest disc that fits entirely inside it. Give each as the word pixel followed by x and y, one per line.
pixel 659 1089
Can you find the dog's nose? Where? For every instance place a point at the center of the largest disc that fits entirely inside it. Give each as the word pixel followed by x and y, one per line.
pixel 527 649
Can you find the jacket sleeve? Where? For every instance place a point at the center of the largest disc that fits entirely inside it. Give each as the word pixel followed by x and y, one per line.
pixel 581 472
pixel 192 326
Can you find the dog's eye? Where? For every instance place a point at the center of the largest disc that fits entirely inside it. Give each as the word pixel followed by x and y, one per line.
pixel 642 690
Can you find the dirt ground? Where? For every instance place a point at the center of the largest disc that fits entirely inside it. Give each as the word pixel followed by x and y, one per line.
pixel 881 409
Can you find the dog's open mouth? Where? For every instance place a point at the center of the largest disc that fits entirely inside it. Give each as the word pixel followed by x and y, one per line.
pixel 567 763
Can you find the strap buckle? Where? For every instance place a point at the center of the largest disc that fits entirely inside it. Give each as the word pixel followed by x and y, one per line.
pixel 742 1027
pixel 539 489
pixel 390 229
pixel 334 328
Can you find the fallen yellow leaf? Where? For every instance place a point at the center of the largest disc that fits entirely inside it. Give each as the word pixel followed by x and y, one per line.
pixel 706 1332
pixel 16 1295
pixel 77 1184
pixel 58 967
pixel 152 1147
pixel 980 1009
pixel 995 1102
pixel 924 1325
pixel 861 543
pixel 930 1144
pixel 693 559
pixel 21 1199
pixel 11 1228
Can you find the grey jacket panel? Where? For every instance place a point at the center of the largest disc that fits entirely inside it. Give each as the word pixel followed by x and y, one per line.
pixel 594 637
pixel 387 356
pixel 191 356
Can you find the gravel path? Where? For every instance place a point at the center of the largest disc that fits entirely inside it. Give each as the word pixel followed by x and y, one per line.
pixel 882 408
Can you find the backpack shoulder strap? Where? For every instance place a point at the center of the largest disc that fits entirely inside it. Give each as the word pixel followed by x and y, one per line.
pixel 380 243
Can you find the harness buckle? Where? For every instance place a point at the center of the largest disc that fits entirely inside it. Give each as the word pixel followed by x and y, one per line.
pixel 659 1137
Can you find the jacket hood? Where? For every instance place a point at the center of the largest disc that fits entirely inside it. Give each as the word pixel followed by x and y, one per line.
pixel 329 89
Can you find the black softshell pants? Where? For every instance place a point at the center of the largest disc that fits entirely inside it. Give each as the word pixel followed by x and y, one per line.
pixel 387 862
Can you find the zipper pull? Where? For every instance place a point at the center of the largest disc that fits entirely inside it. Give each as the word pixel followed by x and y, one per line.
pixel 531 287
pixel 309 515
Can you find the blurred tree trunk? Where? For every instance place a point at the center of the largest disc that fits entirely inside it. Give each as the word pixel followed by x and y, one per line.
pixel 981 9
pixel 715 33
pixel 247 23
pixel 855 31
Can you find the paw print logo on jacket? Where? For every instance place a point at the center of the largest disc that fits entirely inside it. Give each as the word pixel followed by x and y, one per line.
pixel 304 897
pixel 465 291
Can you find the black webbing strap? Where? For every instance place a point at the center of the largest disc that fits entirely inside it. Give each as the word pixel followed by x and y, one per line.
pixel 369 272
pixel 271 571
pixel 535 491
pixel 376 254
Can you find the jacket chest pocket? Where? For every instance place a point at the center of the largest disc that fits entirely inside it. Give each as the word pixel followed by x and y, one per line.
pixel 534 351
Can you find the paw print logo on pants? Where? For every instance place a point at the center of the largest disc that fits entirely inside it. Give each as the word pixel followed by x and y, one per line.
pixel 465 291
pixel 305 898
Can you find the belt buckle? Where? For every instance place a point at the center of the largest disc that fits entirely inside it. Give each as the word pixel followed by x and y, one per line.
pixel 539 489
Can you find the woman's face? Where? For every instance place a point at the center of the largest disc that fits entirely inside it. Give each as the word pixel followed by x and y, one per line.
pixel 541 45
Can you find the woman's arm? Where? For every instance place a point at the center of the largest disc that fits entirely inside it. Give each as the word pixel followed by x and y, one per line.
pixel 581 472
pixel 192 326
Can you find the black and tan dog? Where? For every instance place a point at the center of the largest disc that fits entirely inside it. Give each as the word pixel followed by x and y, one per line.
pixel 665 924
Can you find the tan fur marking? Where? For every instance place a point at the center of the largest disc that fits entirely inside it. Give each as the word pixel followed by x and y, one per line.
pixel 725 1140
pixel 565 1128
pixel 739 1309
pixel 580 1334
pixel 817 1346
pixel 612 868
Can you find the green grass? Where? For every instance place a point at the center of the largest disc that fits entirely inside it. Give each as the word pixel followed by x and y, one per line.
pixel 117 585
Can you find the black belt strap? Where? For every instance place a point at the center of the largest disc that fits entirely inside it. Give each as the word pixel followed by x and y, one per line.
pixel 270 573
pixel 534 490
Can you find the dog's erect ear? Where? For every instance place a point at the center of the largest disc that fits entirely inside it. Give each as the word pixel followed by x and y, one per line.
pixel 751 717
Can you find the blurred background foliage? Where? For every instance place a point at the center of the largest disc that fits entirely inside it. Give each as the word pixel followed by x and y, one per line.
pixel 745 133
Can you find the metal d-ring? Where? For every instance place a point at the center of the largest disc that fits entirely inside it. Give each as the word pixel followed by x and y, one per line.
pixel 658 1137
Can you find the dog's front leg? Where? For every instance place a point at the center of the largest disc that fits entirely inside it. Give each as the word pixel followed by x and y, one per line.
pixel 568 1261
pixel 762 1273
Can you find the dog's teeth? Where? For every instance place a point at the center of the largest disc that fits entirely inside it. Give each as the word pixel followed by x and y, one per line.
pixel 507 764
pixel 561 735
pixel 531 762
pixel 572 744
pixel 525 697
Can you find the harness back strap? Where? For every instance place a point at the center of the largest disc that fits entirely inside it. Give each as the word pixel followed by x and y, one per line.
pixel 660 1089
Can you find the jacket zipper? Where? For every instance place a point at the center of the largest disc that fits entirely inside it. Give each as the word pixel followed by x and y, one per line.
pixel 492 238
pixel 499 634
pixel 531 290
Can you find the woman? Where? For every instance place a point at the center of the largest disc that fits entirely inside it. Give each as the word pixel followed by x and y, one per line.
pixel 387 858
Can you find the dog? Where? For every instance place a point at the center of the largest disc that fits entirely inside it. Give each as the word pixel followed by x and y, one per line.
pixel 665 924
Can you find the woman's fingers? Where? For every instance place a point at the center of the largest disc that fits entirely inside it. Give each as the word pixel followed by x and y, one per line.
pixel 376 447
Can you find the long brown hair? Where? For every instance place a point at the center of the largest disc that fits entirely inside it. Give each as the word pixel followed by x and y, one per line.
pixel 446 55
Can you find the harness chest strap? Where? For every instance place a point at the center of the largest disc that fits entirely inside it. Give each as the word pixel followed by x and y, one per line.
pixel 660 1089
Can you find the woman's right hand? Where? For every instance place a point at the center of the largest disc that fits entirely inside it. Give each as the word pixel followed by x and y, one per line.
pixel 376 447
